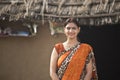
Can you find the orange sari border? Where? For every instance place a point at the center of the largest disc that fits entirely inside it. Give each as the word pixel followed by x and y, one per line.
pixel 76 65
pixel 77 62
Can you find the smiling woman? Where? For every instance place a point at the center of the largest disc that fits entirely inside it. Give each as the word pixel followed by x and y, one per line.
pixel 72 60
pixel 71 30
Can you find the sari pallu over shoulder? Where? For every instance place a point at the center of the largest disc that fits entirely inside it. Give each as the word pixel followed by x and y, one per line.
pixel 75 67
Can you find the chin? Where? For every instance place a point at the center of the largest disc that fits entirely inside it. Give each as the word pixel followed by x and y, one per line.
pixel 71 37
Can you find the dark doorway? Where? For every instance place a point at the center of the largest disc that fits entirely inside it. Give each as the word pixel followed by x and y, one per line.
pixel 105 42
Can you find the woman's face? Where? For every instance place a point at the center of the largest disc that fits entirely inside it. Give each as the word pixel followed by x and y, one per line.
pixel 71 30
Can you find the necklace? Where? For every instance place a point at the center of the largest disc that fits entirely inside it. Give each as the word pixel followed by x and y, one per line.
pixel 68 47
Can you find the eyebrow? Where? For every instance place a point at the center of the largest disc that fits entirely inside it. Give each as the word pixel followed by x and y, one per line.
pixel 71 26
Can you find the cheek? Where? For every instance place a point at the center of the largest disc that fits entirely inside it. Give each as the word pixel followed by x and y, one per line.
pixel 78 30
pixel 65 31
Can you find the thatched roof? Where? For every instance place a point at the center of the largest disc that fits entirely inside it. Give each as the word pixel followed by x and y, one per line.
pixel 88 12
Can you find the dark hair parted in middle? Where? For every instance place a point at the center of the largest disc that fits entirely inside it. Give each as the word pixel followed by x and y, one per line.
pixel 75 21
pixel 72 20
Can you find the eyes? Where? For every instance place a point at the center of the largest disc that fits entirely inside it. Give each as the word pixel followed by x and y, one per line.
pixel 73 28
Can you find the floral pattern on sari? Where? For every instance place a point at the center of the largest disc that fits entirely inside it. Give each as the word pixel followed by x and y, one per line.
pixel 64 64
pixel 94 73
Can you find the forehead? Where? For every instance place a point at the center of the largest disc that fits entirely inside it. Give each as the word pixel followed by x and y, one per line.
pixel 71 25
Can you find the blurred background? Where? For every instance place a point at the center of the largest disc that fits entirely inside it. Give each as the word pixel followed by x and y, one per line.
pixel 29 29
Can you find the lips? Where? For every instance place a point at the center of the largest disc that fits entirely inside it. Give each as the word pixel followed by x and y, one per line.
pixel 71 34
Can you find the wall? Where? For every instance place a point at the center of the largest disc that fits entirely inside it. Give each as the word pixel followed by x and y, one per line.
pixel 27 58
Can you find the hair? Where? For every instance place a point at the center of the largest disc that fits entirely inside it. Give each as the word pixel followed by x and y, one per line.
pixel 72 20
pixel 75 21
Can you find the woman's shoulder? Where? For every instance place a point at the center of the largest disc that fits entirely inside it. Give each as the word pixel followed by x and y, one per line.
pixel 59 47
pixel 87 45
pixel 58 44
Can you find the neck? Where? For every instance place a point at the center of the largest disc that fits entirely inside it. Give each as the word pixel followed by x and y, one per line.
pixel 72 41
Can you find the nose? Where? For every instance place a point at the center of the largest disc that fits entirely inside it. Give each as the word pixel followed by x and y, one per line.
pixel 71 30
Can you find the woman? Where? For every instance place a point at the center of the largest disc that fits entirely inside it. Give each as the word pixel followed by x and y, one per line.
pixel 72 60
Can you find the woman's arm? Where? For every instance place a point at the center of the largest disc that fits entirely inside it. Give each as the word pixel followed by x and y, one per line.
pixel 53 65
pixel 89 71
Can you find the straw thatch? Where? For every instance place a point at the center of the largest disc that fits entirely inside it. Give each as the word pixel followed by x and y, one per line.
pixel 88 12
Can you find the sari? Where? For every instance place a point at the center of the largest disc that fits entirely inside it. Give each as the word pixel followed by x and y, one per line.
pixel 71 64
